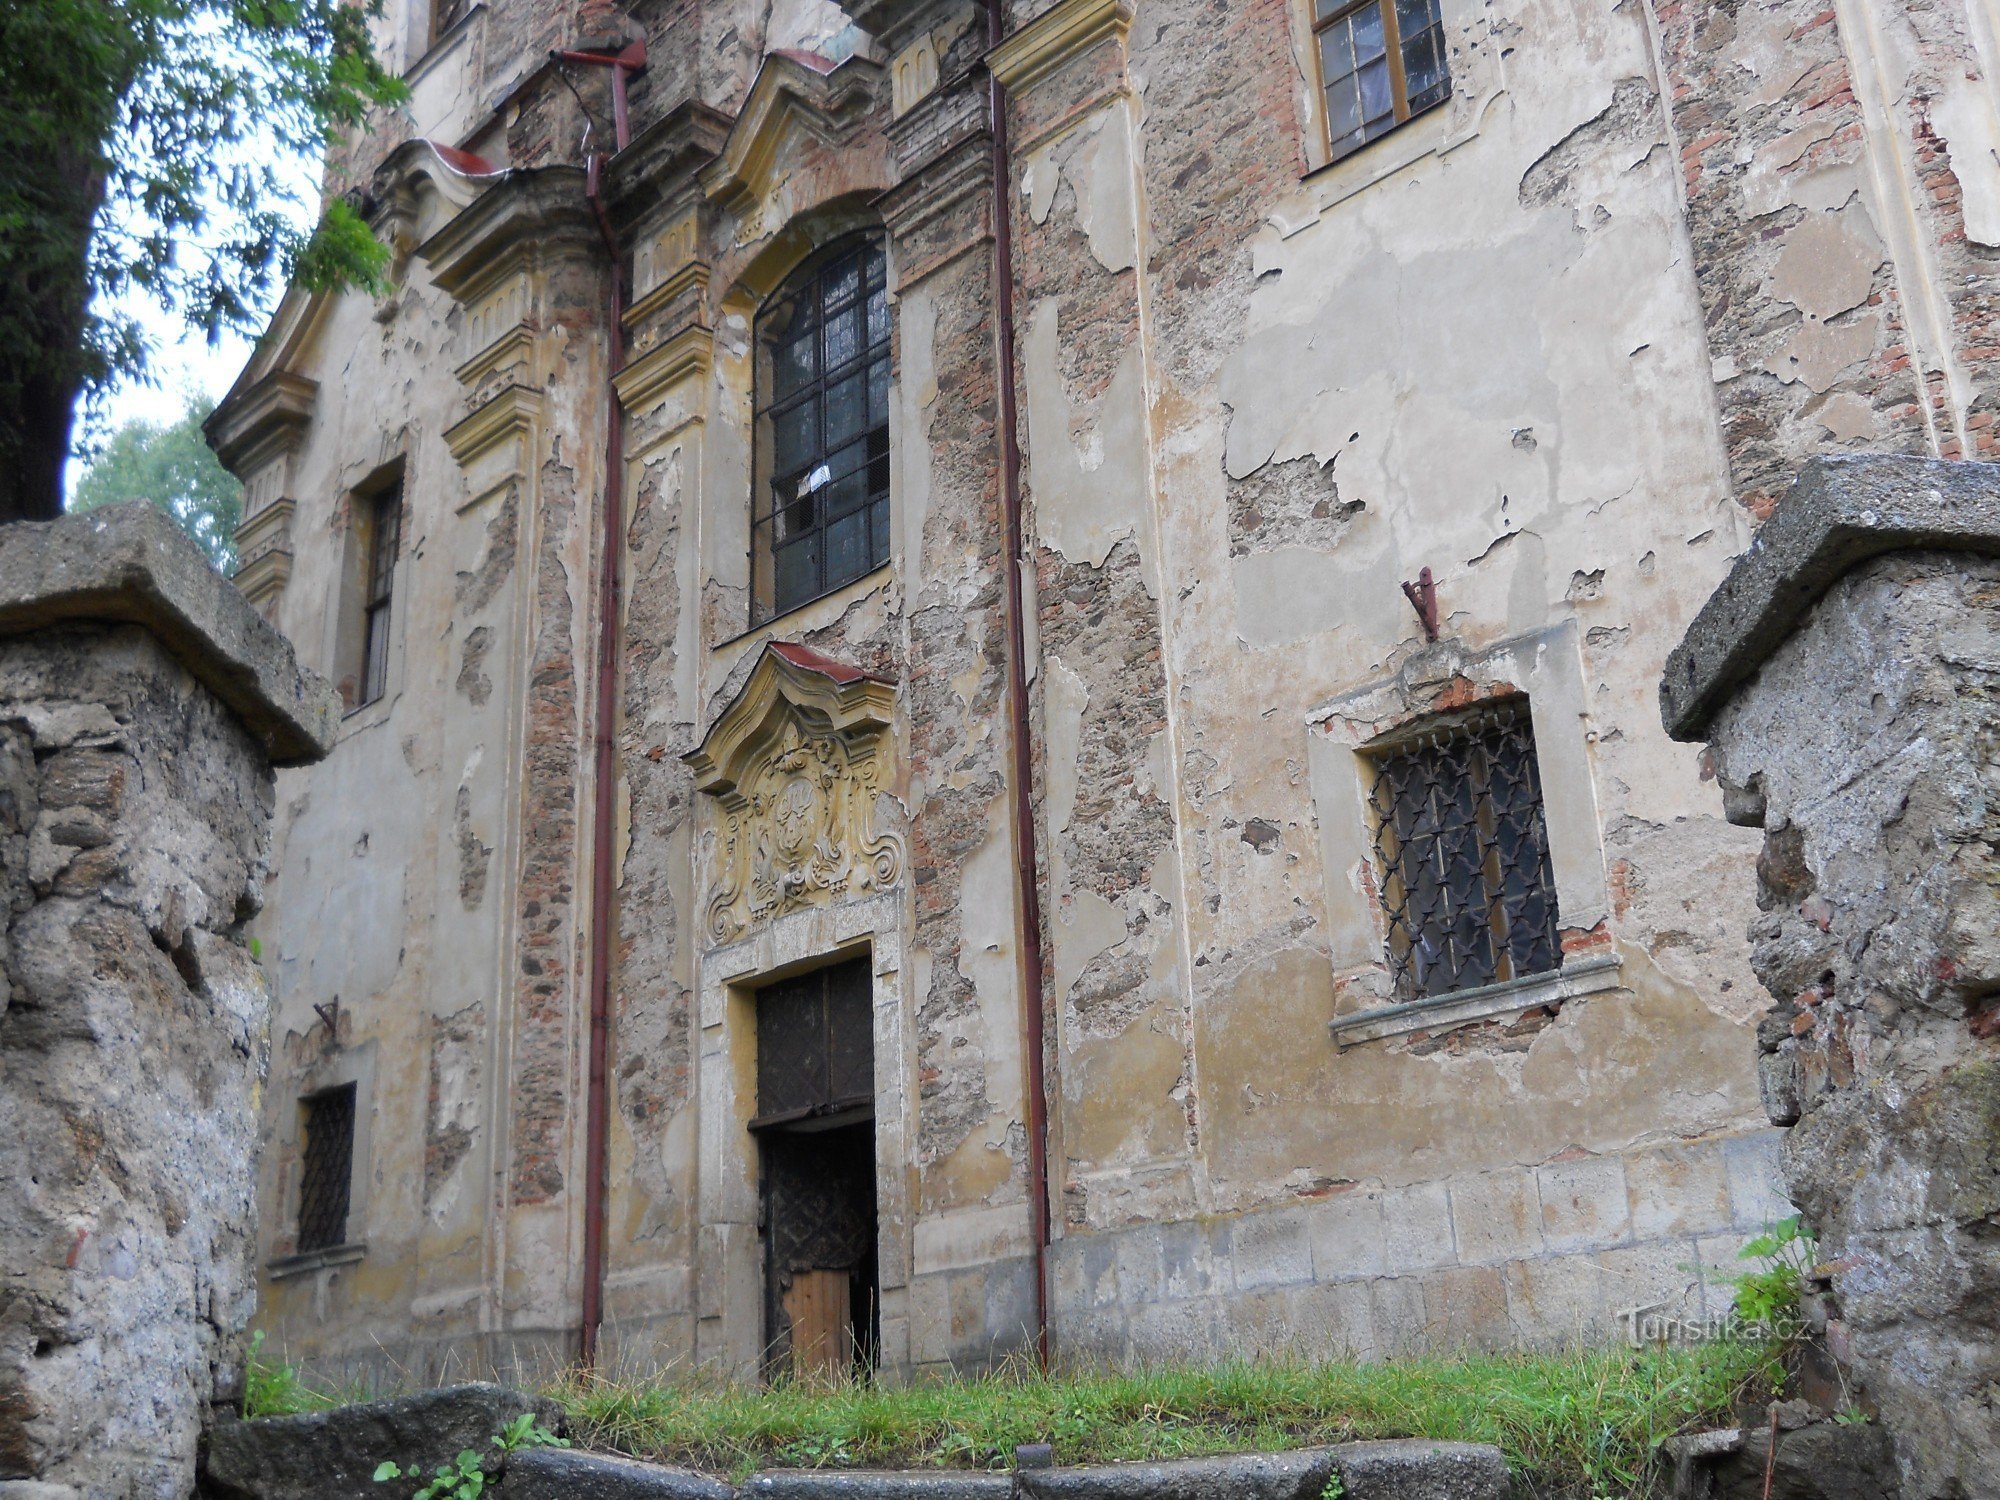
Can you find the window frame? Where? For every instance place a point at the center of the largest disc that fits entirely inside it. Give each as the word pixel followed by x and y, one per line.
pixel 1402 112
pixel 308 1211
pixel 384 525
pixel 814 392
pixel 1503 918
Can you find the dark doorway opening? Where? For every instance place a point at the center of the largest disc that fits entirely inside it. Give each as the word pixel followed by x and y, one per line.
pixel 815 1127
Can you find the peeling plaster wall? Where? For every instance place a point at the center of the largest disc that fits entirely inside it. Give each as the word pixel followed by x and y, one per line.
pixel 1555 340
pixel 424 935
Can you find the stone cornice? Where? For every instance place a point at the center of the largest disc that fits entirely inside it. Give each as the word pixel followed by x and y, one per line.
pixel 1065 30
pixel 516 345
pixel 829 104
pixel 685 355
pixel 665 157
pixel 1844 510
pixel 692 276
pixel 511 413
pixel 259 419
pixel 539 213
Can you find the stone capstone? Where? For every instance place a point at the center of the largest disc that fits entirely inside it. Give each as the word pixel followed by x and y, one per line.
pixel 1844 509
pixel 332 1455
pixel 131 563
pixel 1847 678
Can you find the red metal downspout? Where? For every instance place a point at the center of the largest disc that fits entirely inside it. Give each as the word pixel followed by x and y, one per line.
pixel 1028 879
pixel 597 1106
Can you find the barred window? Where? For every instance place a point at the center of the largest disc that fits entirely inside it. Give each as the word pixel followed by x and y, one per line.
pixel 327 1171
pixel 1462 849
pixel 820 514
pixel 1381 62
pixel 384 538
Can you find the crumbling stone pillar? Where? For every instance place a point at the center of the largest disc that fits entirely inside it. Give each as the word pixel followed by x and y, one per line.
pixel 1847 678
pixel 143 704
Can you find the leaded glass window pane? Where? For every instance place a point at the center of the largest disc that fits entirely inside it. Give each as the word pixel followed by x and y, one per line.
pixel 823 417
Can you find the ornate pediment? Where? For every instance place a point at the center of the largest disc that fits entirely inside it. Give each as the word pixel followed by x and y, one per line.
pixel 794 770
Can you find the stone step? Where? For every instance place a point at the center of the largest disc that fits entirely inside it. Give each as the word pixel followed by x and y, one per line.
pixel 332 1456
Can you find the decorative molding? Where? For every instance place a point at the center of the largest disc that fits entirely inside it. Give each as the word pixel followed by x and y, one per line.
pixel 1510 997
pixel 264 551
pixel 692 276
pixel 512 352
pixel 790 89
pixel 521 219
pixel 259 421
pixel 686 355
pixel 1065 30
pixel 511 415
pixel 794 769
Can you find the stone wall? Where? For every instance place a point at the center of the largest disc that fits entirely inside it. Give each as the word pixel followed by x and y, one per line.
pixel 141 706
pixel 1846 678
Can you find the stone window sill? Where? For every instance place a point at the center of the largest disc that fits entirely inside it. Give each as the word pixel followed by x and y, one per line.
pixel 1587 976
pixel 279 1267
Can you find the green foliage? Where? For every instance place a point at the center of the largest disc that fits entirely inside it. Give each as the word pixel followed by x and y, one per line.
pixel 172 467
pixel 465 1477
pixel 1580 1422
pixel 143 150
pixel 273 1388
pixel 1768 1297
pixel 1334 1487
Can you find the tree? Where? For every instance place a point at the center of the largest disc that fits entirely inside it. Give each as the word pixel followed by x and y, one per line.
pixel 120 123
pixel 172 467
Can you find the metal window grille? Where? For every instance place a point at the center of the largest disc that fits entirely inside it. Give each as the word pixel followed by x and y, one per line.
pixel 1462 848
pixel 1381 62
pixel 821 516
pixel 815 1044
pixel 385 535
pixel 327 1173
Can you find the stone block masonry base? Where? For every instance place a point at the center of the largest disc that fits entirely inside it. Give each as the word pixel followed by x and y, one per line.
pixel 1565 1253
pixel 142 704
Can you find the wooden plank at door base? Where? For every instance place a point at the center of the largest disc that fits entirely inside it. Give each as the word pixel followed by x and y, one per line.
pixel 818 1305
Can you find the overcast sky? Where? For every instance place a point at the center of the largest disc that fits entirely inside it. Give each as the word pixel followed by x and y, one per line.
pixel 183 362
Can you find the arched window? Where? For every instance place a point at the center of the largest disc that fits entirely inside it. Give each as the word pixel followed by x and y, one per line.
pixel 819 514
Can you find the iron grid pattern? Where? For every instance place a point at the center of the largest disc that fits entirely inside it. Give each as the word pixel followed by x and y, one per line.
pixel 815 1041
pixel 328 1169
pixel 1462 848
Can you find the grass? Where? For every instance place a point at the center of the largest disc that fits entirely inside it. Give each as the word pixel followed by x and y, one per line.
pixel 273 1388
pixel 1575 1424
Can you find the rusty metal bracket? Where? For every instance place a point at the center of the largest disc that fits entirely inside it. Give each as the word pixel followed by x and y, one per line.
pixel 330 1015
pixel 1423 599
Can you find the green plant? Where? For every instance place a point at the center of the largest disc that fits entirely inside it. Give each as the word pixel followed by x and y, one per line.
pixel 1769 1297
pixel 273 1388
pixel 465 1477
pixel 1851 1416
pixel 1334 1487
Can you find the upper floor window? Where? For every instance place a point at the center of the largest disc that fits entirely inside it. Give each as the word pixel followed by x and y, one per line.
pixel 1381 62
pixel 1462 851
pixel 819 514
pixel 384 522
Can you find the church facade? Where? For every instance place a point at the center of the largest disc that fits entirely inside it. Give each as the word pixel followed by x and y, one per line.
pixel 1001 663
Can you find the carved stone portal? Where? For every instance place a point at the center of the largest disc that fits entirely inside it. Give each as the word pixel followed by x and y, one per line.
pixel 795 766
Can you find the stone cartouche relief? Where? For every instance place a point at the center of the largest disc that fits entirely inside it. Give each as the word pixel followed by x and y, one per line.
pixel 794 769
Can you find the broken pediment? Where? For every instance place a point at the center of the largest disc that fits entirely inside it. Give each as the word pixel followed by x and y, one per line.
pixel 794 92
pixel 794 769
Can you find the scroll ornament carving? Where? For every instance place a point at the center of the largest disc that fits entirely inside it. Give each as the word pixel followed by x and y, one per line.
pixel 794 771
pixel 798 830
